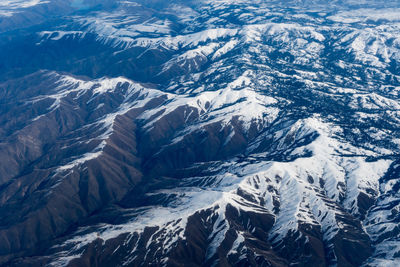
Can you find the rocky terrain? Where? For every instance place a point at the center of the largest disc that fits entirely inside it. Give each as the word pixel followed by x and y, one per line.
pixel 199 133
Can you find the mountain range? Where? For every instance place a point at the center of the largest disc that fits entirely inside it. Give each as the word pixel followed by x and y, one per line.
pixel 199 133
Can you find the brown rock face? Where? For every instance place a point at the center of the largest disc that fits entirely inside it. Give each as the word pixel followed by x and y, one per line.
pixel 81 158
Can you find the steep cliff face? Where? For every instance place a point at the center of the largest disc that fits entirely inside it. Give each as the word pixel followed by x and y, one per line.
pixel 199 133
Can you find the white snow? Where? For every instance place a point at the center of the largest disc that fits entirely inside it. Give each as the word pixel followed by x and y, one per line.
pixel 58 35
pixel 69 86
pixel 300 200
pixel 366 14
pixel 14 4
pixel 321 183
pixel 370 45
pixel 220 106
pixel 9 7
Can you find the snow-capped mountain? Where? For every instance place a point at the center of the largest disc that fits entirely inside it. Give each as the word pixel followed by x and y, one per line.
pixel 199 133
